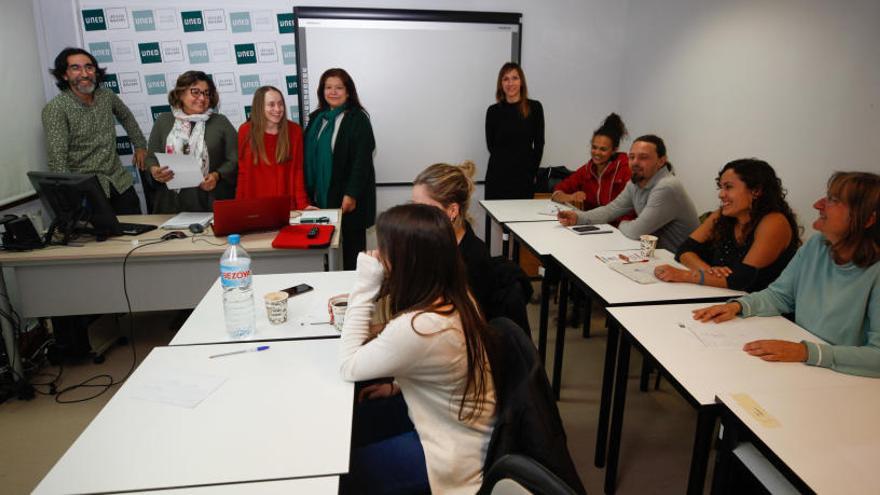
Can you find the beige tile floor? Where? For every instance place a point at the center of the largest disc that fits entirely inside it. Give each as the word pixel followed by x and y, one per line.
pixel 657 436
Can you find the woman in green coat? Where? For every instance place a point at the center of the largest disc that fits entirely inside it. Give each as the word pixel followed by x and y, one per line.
pixel 339 169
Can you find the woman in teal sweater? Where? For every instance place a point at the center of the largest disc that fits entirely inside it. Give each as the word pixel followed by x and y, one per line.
pixel 832 285
pixel 339 169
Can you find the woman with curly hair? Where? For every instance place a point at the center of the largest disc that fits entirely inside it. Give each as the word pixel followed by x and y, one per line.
pixel 747 242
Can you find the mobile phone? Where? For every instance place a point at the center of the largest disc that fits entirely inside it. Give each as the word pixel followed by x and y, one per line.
pixel 297 290
pixel 583 229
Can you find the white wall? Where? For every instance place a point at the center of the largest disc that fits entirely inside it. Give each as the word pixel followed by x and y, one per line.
pixel 21 143
pixel 794 82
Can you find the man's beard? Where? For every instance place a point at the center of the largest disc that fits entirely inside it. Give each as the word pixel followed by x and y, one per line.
pixel 86 88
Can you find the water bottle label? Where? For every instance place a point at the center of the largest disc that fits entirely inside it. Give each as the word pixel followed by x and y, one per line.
pixel 234 276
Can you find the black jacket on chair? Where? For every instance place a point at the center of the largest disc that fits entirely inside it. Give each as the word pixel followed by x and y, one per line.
pixel 528 421
pixel 511 291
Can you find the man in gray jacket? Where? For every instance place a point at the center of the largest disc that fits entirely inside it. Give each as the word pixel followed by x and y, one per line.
pixel 656 195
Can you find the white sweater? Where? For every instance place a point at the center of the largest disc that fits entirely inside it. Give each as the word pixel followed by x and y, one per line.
pixel 431 370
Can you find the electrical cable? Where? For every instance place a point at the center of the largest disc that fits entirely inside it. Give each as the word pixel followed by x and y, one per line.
pixel 110 380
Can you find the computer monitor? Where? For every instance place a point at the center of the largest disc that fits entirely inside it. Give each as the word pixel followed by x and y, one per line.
pixel 76 204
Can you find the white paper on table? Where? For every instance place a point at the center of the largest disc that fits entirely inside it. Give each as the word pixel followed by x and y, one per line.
pixel 187 169
pixel 553 208
pixel 731 334
pixel 332 215
pixel 174 387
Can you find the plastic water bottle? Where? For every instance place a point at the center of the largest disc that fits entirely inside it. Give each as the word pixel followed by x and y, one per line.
pixel 238 292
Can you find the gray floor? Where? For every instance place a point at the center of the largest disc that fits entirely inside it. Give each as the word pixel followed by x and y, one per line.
pixel 657 435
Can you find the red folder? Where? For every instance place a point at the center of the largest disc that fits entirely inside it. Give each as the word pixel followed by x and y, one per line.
pixel 296 237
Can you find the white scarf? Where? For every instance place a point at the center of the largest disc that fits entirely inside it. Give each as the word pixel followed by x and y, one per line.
pixel 188 136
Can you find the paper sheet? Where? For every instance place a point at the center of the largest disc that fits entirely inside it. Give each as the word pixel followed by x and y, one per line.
pixel 174 387
pixel 732 334
pixel 622 256
pixel 187 169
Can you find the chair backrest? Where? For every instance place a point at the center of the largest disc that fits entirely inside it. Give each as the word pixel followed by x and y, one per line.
pixel 528 421
pixel 520 475
pixel 510 293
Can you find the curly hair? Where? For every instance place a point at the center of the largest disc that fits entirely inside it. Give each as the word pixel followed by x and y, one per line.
pixel 760 178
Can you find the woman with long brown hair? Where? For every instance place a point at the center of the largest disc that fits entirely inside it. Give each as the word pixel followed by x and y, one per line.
pixel 270 152
pixel 437 346
pixel 515 137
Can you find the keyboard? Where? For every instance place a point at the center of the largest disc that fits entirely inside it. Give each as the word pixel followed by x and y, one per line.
pixel 134 228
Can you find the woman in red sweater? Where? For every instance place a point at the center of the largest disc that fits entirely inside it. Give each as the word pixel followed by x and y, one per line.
pixel 270 152
pixel 599 181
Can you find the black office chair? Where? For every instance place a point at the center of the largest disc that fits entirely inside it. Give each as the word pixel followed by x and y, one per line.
pixel 518 474
pixel 528 422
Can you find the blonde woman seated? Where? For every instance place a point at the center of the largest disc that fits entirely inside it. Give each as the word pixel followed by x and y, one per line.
pixel 832 285
pixel 747 242
pixel 449 187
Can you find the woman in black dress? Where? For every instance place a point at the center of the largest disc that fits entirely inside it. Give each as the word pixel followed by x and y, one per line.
pixel 515 137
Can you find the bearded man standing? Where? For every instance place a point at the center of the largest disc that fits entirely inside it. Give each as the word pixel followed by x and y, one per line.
pixel 81 130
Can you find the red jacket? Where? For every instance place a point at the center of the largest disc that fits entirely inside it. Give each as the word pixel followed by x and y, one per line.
pixel 273 179
pixel 600 190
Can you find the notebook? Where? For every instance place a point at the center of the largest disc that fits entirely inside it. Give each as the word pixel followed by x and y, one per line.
pixel 237 216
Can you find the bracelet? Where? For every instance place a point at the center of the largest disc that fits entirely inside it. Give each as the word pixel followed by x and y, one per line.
pixel 702 276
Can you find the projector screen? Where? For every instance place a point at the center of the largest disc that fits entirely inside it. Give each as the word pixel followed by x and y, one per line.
pixel 425 78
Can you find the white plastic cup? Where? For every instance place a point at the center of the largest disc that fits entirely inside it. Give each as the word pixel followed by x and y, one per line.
pixel 648 245
pixel 337 306
pixel 276 307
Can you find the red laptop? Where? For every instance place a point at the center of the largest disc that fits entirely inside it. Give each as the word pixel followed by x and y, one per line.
pixel 237 216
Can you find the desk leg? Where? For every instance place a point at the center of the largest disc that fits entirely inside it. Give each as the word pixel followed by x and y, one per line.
pixel 545 309
pixel 488 229
pixel 515 249
pixel 607 387
pixel 588 315
pixel 617 413
pixel 702 443
pixel 721 477
pixel 560 336
pixel 505 242
pixel 8 330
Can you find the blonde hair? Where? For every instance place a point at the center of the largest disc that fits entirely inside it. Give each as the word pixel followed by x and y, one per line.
pixel 450 184
pixel 258 128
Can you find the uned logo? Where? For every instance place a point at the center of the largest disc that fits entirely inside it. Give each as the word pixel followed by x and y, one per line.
pixel 192 21
pixel 286 23
pixel 156 84
pixel 240 22
pixel 292 85
pixel 159 110
pixel 198 53
pixel 150 53
pixel 111 82
pixel 249 83
pixel 123 146
pixel 245 53
pixel 94 20
pixel 101 51
pixel 143 20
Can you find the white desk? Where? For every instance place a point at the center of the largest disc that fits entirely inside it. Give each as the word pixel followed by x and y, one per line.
pixel 504 211
pixel 71 280
pixel 700 373
pixel 545 238
pixel 206 325
pixel 828 437
pixel 325 485
pixel 282 413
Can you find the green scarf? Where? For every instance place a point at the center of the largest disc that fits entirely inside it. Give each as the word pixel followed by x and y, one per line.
pixel 319 155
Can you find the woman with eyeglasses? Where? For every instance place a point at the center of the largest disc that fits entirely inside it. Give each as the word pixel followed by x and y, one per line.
pixel 193 127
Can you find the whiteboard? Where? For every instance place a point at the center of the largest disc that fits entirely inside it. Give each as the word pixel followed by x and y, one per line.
pixel 426 78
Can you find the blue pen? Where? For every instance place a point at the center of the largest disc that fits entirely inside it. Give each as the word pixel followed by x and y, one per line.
pixel 253 349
